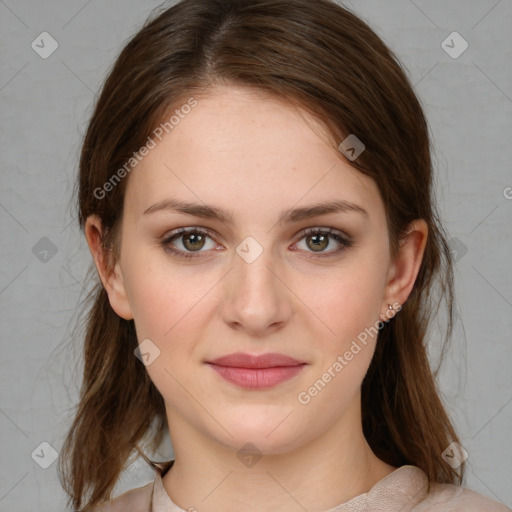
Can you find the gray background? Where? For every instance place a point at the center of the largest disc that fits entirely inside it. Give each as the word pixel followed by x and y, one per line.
pixel 45 105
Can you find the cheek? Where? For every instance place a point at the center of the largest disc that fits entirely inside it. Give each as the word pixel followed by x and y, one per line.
pixel 155 306
pixel 167 312
pixel 350 307
pixel 347 302
pixel 162 298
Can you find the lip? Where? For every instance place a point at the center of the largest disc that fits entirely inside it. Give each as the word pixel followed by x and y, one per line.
pixel 269 360
pixel 256 372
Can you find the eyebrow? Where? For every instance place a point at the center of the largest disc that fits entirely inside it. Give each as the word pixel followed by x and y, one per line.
pixel 292 215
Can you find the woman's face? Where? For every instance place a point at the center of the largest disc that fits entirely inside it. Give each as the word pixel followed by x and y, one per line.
pixel 253 283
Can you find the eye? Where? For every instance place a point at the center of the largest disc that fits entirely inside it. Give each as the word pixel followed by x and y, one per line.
pixel 319 239
pixel 191 240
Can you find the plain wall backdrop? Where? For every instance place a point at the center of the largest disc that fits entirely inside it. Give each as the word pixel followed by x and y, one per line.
pixel 46 101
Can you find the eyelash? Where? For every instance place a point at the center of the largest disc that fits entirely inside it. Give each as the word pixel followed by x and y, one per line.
pixel 345 243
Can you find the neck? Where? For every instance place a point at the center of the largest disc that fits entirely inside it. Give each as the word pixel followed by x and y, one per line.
pixel 316 476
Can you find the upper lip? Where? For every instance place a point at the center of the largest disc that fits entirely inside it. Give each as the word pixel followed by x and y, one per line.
pixel 270 360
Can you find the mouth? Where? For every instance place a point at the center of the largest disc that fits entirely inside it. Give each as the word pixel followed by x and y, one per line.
pixel 256 372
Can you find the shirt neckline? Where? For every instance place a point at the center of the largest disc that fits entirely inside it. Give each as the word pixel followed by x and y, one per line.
pixel 405 485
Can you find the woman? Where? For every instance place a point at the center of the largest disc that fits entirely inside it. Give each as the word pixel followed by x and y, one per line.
pixel 256 191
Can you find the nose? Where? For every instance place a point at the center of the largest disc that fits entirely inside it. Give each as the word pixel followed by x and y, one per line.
pixel 257 299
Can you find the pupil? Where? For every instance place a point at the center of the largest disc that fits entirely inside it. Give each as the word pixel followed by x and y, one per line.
pixel 195 240
pixel 320 241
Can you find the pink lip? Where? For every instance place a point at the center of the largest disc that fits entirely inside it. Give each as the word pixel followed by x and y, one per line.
pixel 256 372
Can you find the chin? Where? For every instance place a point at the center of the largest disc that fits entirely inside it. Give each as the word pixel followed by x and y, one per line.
pixel 265 433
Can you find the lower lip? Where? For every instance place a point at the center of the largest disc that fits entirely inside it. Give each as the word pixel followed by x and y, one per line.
pixel 257 378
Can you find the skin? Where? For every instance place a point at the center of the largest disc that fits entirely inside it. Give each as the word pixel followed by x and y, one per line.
pixel 254 156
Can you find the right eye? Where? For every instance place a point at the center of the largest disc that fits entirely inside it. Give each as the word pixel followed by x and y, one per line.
pixel 192 240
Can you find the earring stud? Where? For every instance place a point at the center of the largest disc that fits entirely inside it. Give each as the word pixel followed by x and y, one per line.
pixel 384 317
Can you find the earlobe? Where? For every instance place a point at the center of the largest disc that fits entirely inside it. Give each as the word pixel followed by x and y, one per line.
pixel 404 270
pixel 111 278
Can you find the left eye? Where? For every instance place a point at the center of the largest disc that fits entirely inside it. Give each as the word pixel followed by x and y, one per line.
pixel 193 240
pixel 317 240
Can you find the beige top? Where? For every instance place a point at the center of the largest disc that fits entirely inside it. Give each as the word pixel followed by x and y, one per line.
pixel 402 490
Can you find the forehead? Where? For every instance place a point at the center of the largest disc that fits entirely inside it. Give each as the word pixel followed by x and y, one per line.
pixel 249 151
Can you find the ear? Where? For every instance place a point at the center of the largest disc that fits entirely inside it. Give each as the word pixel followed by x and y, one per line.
pixel 403 272
pixel 112 280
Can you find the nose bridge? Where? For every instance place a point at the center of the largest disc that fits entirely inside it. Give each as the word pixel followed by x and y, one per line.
pixel 252 264
pixel 257 297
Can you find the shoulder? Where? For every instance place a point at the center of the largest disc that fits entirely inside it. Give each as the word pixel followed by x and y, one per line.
pixel 134 500
pixel 454 498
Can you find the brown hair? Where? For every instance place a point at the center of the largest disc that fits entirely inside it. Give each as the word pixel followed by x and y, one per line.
pixel 321 58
